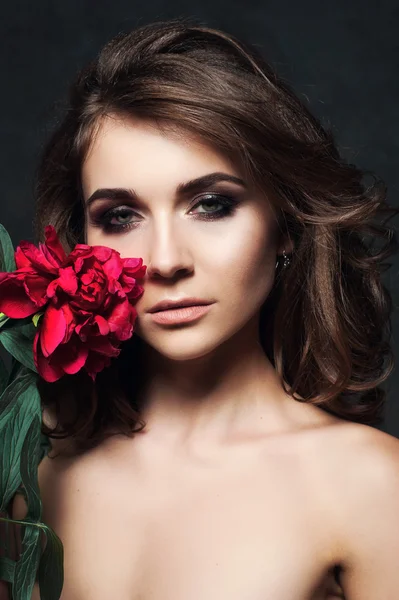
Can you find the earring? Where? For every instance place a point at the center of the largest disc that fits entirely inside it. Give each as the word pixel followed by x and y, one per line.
pixel 287 260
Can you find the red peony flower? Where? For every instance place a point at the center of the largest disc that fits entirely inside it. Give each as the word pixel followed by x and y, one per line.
pixel 85 300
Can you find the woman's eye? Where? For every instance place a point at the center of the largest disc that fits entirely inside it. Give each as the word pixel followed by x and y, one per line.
pixel 207 203
pixel 117 214
pixel 227 206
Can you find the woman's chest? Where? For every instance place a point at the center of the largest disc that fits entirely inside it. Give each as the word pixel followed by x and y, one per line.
pixel 242 536
pixel 232 552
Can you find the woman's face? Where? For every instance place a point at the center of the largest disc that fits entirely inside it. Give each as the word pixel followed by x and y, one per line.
pixel 228 259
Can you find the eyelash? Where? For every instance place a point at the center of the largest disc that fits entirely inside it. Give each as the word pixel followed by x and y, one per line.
pixel 228 203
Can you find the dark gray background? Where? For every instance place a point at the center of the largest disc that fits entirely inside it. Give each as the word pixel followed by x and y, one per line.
pixel 343 56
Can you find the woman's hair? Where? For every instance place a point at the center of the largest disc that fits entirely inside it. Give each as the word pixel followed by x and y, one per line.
pixel 325 325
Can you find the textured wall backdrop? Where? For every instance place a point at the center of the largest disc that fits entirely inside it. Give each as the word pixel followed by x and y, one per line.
pixel 343 56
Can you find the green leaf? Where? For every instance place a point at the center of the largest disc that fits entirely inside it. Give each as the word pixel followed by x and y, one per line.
pixel 6 533
pixel 3 319
pixel 16 367
pixel 18 346
pixel 51 567
pixel 11 397
pixel 26 566
pixel 19 404
pixel 7 259
pixel 8 323
pixel 36 317
pixel 28 330
pixel 4 375
pixel 30 454
pixel 7 568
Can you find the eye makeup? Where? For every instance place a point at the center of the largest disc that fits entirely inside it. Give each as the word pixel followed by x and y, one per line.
pixel 103 217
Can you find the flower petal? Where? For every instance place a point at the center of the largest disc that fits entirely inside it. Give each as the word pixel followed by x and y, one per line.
pixel 103 327
pixel 28 255
pixel 36 288
pixel 54 246
pixel 122 319
pixel 14 302
pixel 71 356
pixel 48 371
pixel 53 329
pixel 113 266
pixel 102 345
pixel 67 281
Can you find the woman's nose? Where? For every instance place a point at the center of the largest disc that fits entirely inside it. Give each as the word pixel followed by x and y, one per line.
pixel 168 253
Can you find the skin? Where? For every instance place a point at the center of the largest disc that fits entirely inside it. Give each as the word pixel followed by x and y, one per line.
pixel 208 388
pixel 234 490
pixel 210 381
pixel 226 467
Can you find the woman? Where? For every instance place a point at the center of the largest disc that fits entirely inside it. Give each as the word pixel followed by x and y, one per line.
pixel 228 452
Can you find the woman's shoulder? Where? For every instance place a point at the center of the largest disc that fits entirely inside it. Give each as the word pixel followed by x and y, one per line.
pixel 352 455
pixel 364 447
pixel 363 468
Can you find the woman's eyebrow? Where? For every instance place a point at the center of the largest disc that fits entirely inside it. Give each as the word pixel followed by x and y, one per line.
pixel 188 187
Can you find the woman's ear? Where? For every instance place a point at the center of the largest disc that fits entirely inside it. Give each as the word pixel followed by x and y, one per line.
pixel 285 243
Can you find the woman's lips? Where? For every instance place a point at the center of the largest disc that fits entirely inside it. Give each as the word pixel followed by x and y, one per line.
pixel 184 314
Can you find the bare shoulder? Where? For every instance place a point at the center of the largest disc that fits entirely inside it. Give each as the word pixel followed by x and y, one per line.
pixel 371 453
pixel 363 469
pixel 70 473
pixel 72 484
pixel 359 457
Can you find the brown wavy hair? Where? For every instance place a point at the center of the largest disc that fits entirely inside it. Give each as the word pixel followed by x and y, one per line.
pixel 326 324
